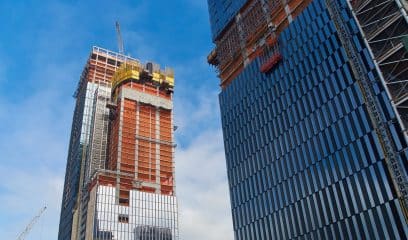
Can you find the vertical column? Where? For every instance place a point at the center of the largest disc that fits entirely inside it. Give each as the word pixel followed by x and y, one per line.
pixel 157 137
pixel 120 138
pixel 137 140
pixel 287 10
pixel 173 146
pixel 150 137
pixel 242 40
pixel 265 8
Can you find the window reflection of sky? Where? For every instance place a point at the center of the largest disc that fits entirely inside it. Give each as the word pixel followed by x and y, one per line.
pixel 145 210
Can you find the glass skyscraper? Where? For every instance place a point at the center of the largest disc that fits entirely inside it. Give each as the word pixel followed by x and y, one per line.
pixel 88 141
pixel 314 133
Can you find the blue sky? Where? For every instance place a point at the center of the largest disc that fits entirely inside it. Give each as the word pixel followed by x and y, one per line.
pixel 43 48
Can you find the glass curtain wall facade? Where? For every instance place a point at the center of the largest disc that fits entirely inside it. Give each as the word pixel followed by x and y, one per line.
pixel 303 158
pixel 94 81
pixel 147 216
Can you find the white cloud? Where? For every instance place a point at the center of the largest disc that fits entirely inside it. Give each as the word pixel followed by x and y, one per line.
pixel 202 189
pixel 140 46
pixel 192 112
pixel 196 98
pixel 35 123
pixel 24 192
pixel 33 150
pixel 201 174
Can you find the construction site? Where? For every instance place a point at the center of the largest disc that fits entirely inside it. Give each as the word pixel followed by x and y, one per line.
pixel 254 32
pixel 119 181
pixel 314 110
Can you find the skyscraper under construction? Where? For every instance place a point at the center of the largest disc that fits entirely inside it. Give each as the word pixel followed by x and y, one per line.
pixel 119 181
pixel 314 114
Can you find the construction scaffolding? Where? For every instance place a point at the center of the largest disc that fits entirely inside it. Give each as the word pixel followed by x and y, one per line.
pixel 393 161
pixel 245 37
pixel 133 70
pixel 96 153
pixel 385 26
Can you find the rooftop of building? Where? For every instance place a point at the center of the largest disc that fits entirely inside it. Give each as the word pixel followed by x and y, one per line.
pixel 103 58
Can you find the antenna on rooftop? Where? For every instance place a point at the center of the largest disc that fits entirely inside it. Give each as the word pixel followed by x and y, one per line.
pixel 120 40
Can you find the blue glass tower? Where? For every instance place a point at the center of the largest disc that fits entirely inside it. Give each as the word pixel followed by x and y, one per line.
pixel 306 157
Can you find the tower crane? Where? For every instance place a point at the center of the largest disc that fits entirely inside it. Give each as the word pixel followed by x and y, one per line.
pixel 120 40
pixel 31 224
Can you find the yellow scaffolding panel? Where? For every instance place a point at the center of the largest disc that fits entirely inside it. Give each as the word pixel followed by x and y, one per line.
pixel 130 70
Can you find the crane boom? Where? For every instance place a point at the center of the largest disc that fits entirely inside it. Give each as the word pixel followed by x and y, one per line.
pixel 31 224
pixel 120 40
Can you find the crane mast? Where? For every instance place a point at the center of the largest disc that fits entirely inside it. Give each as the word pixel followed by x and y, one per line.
pixel 120 40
